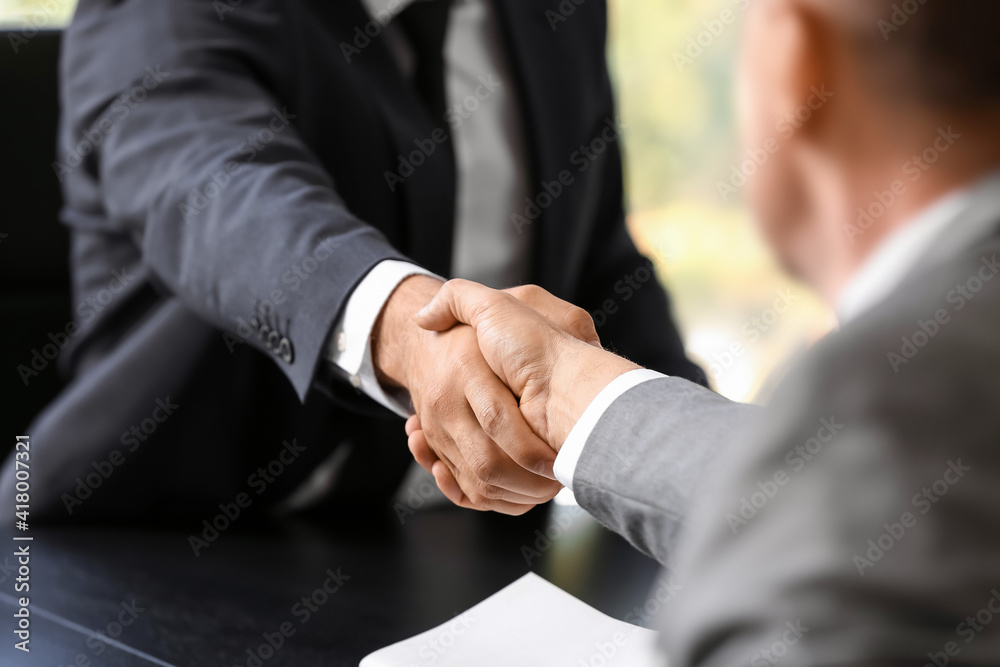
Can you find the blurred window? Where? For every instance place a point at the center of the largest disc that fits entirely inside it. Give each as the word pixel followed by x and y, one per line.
pixel 18 18
pixel 673 65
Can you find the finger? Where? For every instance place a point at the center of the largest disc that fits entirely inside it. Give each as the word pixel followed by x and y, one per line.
pixel 575 321
pixel 449 485
pixel 434 445
pixel 456 302
pixel 467 472
pixel 421 451
pixel 498 414
pixel 489 473
pixel 453 492
pixel 451 489
pixel 412 424
pixel 433 439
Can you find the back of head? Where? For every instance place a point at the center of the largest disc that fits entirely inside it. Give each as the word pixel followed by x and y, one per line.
pixel 877 80
pixel 945 54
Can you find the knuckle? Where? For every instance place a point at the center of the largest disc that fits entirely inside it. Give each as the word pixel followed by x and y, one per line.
pixel 529 451
pixel 496 299
pixel 489 494
pixel 503 297
pixel 495 493
pixel 467 364
pixel 436 397
pixel 533 290
pixel 527 292
pixel 517 291
pixel 491 417
pixel 434 436
pixel 477 498
pixel 487 470
pixel 580 319
pixel 528 458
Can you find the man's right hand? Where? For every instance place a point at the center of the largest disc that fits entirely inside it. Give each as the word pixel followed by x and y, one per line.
pixel 468 416
pixel 537 345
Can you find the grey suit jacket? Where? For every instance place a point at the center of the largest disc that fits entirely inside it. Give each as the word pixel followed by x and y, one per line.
pixel 856 520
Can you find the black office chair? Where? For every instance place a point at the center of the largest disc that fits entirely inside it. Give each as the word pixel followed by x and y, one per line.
pixel 34 246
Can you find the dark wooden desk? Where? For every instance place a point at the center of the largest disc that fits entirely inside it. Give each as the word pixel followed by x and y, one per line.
pixel 396 579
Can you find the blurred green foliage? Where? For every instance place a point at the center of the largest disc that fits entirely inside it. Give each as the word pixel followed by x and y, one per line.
pixel 36 13
pixel 679 133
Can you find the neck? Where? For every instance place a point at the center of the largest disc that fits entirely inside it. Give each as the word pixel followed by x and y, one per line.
pixel 879 198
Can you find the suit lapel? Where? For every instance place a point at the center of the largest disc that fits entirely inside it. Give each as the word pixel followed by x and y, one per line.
pixel 980 221
pixel 425 183
pixel 551 106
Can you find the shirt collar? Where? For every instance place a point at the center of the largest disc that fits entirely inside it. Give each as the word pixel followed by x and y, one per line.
pixel 899 254
pixel 378 8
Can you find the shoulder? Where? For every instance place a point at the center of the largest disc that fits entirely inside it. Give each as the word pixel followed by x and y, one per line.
pixel 939 330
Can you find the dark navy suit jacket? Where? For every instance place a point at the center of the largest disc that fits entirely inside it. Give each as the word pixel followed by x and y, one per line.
pixel 224 168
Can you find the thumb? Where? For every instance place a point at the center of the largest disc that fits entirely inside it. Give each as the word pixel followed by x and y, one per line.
pixel 437 315
pixel 573 320
pixel 453 304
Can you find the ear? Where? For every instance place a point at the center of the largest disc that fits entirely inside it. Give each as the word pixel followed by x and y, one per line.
pixel 799 62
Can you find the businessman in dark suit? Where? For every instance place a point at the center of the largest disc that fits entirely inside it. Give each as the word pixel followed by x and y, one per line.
pixel 262 193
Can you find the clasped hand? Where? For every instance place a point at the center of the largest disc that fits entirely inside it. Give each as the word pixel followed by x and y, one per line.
pixel 517 368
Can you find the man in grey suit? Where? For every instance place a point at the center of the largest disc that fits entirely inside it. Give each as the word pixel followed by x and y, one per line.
pixel 856 520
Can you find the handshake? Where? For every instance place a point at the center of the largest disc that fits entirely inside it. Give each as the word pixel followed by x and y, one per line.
pixel 497 379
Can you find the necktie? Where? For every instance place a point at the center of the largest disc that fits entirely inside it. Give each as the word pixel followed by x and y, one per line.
pixel 426 25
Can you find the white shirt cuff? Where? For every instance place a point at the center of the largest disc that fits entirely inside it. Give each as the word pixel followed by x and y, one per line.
pixel 350 345
pixel 572 449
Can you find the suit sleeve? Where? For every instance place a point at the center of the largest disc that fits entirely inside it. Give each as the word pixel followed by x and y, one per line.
pixel 649 456
pixel 855 527
pixel 198 161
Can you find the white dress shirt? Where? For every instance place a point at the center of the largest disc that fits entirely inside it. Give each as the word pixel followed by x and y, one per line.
pixel 877 278
pixel 491 167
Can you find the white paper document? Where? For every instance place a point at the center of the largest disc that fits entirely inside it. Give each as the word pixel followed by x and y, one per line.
pixel 529 623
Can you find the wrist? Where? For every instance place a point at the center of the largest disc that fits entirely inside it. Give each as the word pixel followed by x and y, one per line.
pixel 396 338
pixel 580 372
